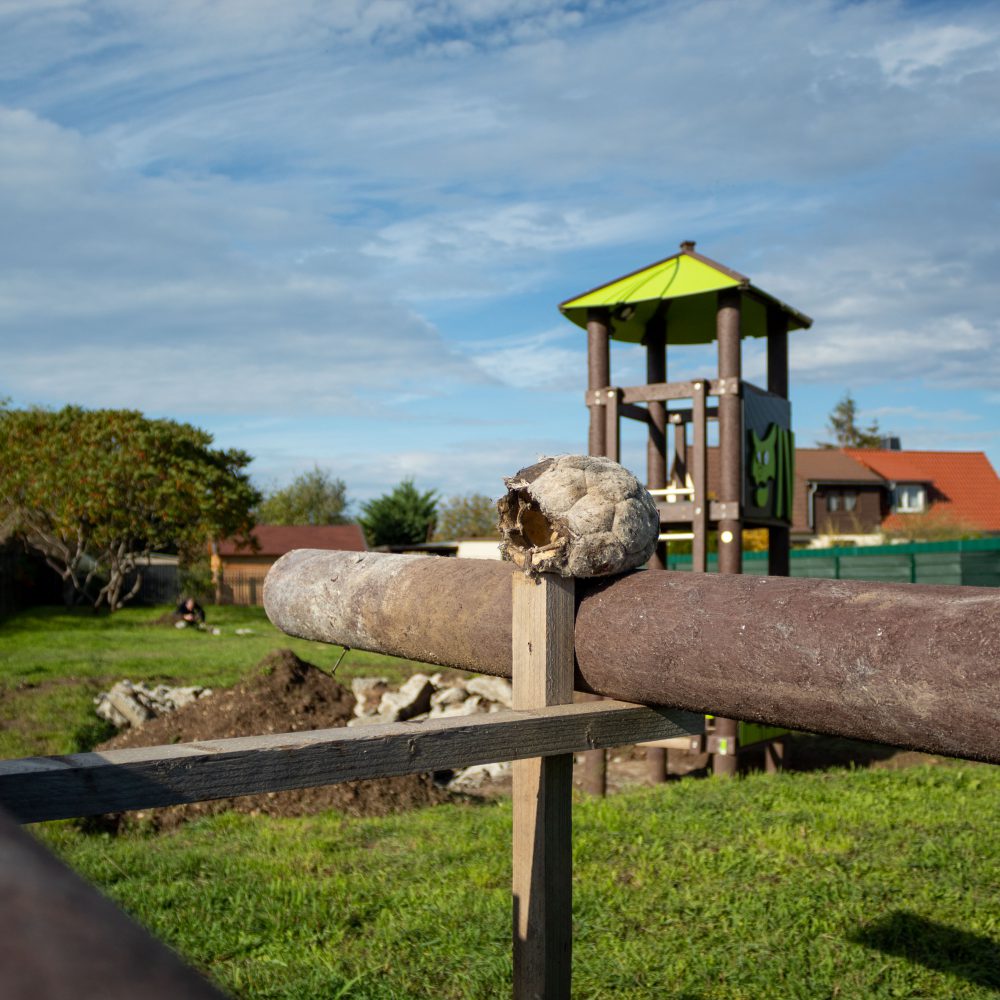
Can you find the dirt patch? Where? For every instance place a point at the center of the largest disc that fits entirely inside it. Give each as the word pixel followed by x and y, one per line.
pixel 284 694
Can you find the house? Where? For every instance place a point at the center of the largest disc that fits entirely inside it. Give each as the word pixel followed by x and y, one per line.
pixel 238 571
pixel 836 497
pixel 858 495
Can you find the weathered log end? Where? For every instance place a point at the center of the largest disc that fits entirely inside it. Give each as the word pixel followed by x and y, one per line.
pixel 577 515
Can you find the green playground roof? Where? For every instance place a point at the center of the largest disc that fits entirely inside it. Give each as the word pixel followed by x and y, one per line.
pixel 688 281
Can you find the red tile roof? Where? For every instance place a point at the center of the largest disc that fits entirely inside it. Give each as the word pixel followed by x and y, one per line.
pixel 964 486
pixel 824 465
pixel 277 539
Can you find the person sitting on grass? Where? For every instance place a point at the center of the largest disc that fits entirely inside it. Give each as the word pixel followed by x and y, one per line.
pixel 189 612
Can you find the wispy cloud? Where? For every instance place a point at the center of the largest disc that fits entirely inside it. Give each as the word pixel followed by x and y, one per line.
pixel 331 210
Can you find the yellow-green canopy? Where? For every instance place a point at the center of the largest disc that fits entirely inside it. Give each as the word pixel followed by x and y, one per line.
pixel 689 282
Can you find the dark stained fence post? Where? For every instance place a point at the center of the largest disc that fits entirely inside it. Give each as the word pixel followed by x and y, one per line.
pixel 656 476
pixel 725 760
pixel 598 374
pixel 594 767
pixel 699 477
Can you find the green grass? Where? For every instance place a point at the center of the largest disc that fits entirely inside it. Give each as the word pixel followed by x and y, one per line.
pixel 54 661
pixel 837 884
pixel 846 884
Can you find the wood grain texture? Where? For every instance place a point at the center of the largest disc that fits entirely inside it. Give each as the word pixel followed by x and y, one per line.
pixel 60 939
pixel 542 651
pixel 86 784
pixel 909 666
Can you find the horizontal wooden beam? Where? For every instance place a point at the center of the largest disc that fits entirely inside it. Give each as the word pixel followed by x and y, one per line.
pixel 682 511
pixel 911 666
pixel 633 412
pixel 686 415
pixel 87 784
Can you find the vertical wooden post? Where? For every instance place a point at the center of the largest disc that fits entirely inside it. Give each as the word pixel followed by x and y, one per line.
pixel 656 475
pixel 542 646
pixel 774 755
pixel 778 539
pixel 656 442
pixel 598 374
pixel 594 770
pixel 681 451
pixel 612 432
pixel 730 480
pixel 699 478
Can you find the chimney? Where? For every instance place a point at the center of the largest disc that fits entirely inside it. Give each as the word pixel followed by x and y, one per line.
pixel 890 444
pixel 687 246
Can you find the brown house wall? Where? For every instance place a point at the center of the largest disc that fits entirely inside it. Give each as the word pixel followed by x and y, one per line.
pixel 247 564
pixel 865 519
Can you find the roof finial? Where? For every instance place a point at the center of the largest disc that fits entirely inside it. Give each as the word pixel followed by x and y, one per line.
pixel 687 246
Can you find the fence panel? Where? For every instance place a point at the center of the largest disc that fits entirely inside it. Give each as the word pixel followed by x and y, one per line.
pixel 245 589
pixel 974 562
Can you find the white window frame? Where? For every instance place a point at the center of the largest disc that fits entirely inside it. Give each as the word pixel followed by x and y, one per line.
pixel 909 498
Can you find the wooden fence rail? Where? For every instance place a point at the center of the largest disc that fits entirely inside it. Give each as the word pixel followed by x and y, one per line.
pixel 86 784
pixel 909 666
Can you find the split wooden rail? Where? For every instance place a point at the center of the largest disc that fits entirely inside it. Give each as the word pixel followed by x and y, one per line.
pixel 909 666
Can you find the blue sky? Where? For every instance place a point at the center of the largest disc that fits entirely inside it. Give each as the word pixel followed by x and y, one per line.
pixel 337 232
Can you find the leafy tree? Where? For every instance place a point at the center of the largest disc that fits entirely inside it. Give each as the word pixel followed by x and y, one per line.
pixel 314 497
pixel 404 516
pixel 843 425
pixel 94 491
pixel 471 516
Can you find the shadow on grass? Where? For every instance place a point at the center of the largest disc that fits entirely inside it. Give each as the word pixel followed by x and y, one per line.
pixel 972 957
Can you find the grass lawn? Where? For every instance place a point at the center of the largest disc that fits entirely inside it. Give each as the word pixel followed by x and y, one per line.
pixel 851 884
pixel 54 661
pixel 846 884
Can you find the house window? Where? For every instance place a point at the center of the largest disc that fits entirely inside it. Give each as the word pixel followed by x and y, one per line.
pixel 845 500
pixel 909 498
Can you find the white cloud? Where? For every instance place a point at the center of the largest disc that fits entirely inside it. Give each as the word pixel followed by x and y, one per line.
pixel 904 58
pixel 273 189
pixel 549 361
pixel 143 293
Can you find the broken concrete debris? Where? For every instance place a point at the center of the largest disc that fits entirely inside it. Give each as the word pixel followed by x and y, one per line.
pixel 435 697
pixel 128 704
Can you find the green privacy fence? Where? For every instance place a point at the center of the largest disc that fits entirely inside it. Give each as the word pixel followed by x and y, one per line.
pixel 974 563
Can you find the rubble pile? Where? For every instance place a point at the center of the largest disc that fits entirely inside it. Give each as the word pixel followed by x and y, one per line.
pixel 435 696
pixel 128 704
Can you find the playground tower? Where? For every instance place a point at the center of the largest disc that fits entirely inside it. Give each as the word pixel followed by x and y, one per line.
pixel 690 299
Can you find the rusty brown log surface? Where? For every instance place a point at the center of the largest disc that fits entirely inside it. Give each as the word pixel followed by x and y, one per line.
pixel 60 939
pixel 911 666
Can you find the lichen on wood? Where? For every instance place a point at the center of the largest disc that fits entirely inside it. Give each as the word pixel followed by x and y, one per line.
pixel 577 515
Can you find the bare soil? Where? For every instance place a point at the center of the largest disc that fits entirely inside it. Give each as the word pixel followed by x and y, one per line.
pixel 284 694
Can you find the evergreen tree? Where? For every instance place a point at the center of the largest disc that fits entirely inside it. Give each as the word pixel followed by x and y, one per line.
pixel 404 516
pixel 843 425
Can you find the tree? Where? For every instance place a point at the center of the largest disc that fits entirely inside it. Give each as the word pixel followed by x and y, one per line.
pixel 471 516
pixel 404 516
pixel 95 491
pixel 314 497
pixel 843 425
